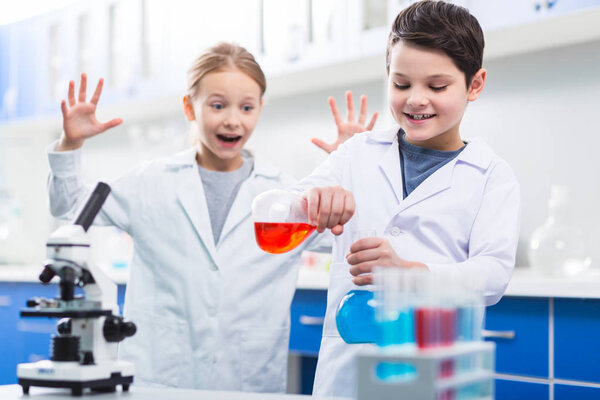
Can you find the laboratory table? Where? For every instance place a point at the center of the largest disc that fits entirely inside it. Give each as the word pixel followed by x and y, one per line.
pixel 12 392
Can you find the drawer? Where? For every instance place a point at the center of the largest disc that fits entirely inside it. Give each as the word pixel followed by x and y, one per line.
pixel 568 392
pixel 527 352
pixel 576 333
pixel 307 316
pixel 513 390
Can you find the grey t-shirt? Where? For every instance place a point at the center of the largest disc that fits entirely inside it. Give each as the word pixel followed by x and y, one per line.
pixel 220 189
pixel 418 163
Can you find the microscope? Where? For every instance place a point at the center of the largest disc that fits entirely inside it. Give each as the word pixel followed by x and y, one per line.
pixel 84 352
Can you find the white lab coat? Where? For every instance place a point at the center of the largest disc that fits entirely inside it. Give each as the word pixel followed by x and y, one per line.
pixel 208 317
pixel 465 216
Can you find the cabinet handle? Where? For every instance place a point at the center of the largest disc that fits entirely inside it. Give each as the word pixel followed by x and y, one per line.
pixel 498 334
pixel 311 321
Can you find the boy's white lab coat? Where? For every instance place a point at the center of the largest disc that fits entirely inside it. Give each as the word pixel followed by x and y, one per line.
pixel 207 317
pixel 465 216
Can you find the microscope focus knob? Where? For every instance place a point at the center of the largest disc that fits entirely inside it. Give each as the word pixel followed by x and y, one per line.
pixel 47 275
pixel 34 302
pixel 116 329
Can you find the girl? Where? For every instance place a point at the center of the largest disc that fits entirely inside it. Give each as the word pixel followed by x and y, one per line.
pixel 212 309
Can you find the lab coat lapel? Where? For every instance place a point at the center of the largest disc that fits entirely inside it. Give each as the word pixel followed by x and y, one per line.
pixel 435 183
pixel 240 209
pixel 190 193
pixel 390 167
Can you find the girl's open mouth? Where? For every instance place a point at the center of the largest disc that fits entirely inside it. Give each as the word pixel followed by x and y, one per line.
pixel 229 138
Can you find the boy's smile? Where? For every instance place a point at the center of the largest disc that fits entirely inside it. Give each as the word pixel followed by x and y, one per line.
pixel 428 95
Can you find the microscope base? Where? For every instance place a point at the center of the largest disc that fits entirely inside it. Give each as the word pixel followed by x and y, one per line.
pixel 99 378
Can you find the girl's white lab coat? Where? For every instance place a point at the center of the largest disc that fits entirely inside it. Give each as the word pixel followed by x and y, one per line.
pixel 465 216
pixel 207 317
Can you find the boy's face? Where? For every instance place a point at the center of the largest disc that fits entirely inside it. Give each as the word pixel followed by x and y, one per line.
pixel 428 95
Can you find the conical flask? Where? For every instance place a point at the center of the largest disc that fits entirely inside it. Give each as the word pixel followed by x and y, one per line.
pixel 280 220
pixel 558 247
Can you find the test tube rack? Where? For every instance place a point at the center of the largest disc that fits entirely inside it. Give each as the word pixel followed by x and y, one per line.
pixel 428 381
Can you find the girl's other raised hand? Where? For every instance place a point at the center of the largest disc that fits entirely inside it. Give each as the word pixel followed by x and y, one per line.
pixel 347 129
pixel 79 118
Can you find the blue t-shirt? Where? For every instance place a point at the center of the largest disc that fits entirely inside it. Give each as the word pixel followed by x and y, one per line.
pixel 418 163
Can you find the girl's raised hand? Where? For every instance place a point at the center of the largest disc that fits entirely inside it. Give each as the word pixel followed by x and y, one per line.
pixel 347 129
pixel 370 252
pixel 79 118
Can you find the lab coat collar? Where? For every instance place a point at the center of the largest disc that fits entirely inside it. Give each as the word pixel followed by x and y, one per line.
pixel 477 153
pixel 193 199
pixel 261 167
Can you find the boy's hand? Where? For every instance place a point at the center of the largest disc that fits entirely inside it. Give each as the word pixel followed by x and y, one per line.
pixel 347 129
pixel 370 252
pixel 329 207
pixel 79 119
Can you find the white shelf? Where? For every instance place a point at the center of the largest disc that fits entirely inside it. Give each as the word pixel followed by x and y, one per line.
pixel 543 34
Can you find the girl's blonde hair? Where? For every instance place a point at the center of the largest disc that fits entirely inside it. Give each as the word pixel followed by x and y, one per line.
pixel 222 56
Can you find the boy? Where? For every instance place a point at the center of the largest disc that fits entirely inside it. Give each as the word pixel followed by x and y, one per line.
pixel 436 202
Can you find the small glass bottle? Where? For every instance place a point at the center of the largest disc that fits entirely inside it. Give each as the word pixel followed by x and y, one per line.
pixel 557 247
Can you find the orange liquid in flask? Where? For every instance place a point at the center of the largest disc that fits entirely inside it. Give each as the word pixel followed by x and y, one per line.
pixel 279 237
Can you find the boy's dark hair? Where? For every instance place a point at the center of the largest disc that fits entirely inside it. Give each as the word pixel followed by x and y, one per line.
pixel 442 26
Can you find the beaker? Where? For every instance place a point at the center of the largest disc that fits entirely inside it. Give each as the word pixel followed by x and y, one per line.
pixel 280 220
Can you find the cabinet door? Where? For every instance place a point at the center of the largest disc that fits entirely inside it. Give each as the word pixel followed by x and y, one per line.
pixel 308 313
pixel 513 390
pixel 568 392
pixel 8 316
pixel 526 353
pixel 576 334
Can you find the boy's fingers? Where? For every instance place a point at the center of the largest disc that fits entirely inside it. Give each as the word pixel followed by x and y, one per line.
pixel 334 110
pixel 362 268
pixel 71 94
pixel 322 145
pixel 337 230
pixel 362 280
pixel 372 123
pixel 82 88
pixel 63 108
pixel 337 209
pixel 349 208
pixel 350 106
pixel 362 116
pixel 97 92
pixel 312 206
pixel 324 210
pixel 111 124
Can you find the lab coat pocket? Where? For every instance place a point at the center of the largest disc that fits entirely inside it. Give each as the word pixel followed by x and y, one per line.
pixel 157 349
pixel 264 359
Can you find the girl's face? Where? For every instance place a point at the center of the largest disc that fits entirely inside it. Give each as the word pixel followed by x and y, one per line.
pixel 428 96
pixel 226 109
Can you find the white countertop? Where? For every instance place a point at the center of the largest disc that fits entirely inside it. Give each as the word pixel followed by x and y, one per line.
pixel 13 392
pixel 524 282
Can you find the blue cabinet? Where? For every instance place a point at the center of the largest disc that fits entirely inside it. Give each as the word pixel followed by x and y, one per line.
pixel 527 353
pixel 514 390
pixel 576 340
pixel 307 316
pixel 568 392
